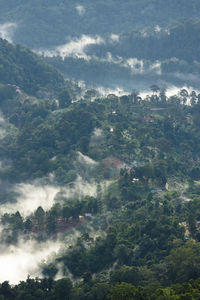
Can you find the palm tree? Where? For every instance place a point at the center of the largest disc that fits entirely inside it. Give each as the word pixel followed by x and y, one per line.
pixel 154 88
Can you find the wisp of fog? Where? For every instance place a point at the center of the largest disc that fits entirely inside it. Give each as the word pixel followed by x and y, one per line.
pixel 7 31
pixel 17 262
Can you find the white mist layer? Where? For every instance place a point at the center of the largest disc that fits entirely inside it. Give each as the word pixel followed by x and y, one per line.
pixel 86 159
pixel 114 37
pixel 98 132
pixel 80 189
pixel 26 258
pixel 145 33
pixel 17 262
pixel 80 10
pixel 136 66
pixel 3 131
pixel 7 31
pixel 75 48
pixel 118 91
pixel 30 198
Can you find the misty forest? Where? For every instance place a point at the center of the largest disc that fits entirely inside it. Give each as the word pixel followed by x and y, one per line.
pixel 99 150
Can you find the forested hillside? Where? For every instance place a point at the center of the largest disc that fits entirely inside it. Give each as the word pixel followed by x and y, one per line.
pixel 48 23
pixel 99 192
pixel 167 55
pixel 130 128
pixel 21 67
pixel 180 40
pixel 129 44
pixel 139 232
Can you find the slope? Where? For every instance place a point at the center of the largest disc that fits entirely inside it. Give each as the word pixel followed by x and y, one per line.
pixel 20 66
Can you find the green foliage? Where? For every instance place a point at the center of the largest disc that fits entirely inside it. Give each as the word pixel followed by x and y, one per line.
pixel 183 263
pixel 123 291
pixel 48 289
pixel 20 66
pixel 175 46
pixel 45 24
pixel 7 92
pixel 152 142
pixel 64 99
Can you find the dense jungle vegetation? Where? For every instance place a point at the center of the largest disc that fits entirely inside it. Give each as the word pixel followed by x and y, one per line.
pixel 169 55
pixel 143 156
pixel 46 23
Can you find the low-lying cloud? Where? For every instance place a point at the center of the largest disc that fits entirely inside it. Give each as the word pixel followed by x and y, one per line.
pixel 31 196
pixel 75 48
pixel 86 159
pixel 118 91
pixel 3 131
pixel 114 37
pixel 19 261
pixel 146 32
pixel 27 257
pixel 7 31
pixel 136 66
pixel 80 9
pixel 80 189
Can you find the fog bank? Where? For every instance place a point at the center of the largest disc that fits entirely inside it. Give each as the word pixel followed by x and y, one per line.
pixel 17 262
pixel 30 198
pixel 7 31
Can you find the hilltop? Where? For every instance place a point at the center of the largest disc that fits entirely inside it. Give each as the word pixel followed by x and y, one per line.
pixel 20 66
